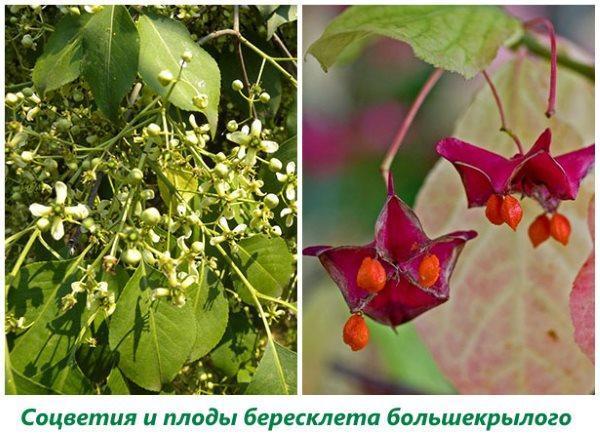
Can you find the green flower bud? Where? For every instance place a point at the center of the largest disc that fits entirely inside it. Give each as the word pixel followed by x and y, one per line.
pixel 165 78
pixel 187 56
pixel 200 101
pixel 221 170
pixel 63 125
pixel 131 256
pixel 11 99
pixel 88 223
pixel 27 156
pixel 197 247
pixel 275 165
pixel 43 224
pixel 264 97
pixel 237 85
pixel 78 96
pixel 27 92
pixel 232 126
pixel 50 164
pixel 153 130
pixel 27 41
pixel 150 216
pixel 136 175
pixel 147 194
pixel 271 201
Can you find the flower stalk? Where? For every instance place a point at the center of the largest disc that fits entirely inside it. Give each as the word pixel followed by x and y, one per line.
pixel 406 123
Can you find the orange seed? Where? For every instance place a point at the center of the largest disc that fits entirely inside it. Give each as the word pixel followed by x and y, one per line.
pixel 560 228
pixel 539 230
pixel 429 271
pixel 511 211
pixel 371 275
pixel 493 210
pixel 356 332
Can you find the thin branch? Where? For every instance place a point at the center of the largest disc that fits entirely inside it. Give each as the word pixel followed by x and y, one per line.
pixel 504 127
pixel 217 34
pixel 284 48
pixel 547 24
pixel 252 47
pixel 412 112
pixel 236 28
pixel 534 46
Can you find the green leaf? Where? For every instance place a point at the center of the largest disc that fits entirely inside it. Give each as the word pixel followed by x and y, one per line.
pixel 462 39
pixel 60 63
pixel 236 347
pixel 45 352
pixel 111 49
pixel 282 15
pixel 18 384
pixel 267 264
pixel 266 10
pixel 116 384
pixel 180 179
pixel 162 42
pixel 267 379
pixel 96 362
pixel 153 338
pixel 211 310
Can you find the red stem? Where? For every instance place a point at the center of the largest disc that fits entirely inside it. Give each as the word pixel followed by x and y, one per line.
pixel 412 112
pixel 504 127
pixel 547 24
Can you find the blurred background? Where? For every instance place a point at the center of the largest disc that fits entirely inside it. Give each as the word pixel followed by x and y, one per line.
pixel 350 116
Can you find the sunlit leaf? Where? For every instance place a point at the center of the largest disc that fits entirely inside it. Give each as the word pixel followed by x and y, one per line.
pixel 268 377
pixel 153 338
pixel 116 384
pixel 267 264
pixel 463 39
pixel 111 48
pixel 282 15
pixel 162 42
pixel 60 63
pixel 236 346
pixel 44 354
pixel 211 311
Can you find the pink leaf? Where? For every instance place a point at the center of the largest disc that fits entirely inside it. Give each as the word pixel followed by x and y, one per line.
pixel 506 328
pixel 582 299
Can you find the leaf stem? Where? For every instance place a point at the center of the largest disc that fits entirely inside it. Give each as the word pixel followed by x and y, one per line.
pixel 284 49
pixel 503 128
pixel 277 300
pixel 412 112
pixel 252 47
pixel 13 273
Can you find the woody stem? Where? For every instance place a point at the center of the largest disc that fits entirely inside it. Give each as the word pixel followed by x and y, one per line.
pixel 501 111
pixel 412 112
pixel 547 24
